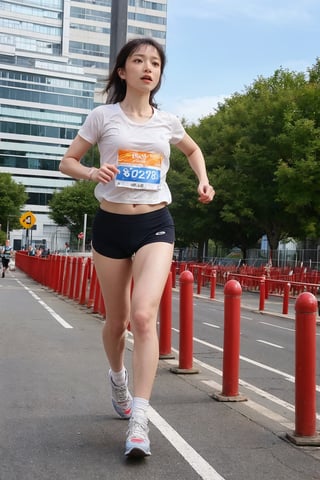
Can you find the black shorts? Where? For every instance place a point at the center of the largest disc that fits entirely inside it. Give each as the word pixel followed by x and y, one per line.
pixel 5 262
pixel 120 236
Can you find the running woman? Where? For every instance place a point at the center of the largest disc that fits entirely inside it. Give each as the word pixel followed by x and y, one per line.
pixel 133 231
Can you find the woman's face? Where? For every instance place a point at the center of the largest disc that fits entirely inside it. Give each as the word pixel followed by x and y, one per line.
pixel 142 71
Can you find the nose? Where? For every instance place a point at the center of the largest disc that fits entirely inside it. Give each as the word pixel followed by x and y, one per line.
pixel 147 67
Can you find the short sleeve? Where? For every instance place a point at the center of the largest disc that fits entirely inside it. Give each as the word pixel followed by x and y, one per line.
pixel 178 131
pixel 91 128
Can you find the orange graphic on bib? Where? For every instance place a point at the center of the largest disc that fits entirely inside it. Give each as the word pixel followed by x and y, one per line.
pixel 140 170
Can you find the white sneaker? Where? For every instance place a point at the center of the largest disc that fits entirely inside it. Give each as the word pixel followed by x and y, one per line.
pixel 137 443
pixel 121 398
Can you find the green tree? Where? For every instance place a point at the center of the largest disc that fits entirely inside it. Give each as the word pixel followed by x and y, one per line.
pixel 12 198
pixel 231 220
pixel 298 174
pixel 244 142
pixel 190 216
pixel 92 157
pixel 68 207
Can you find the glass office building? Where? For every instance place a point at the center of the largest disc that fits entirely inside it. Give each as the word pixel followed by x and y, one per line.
pixel 54 57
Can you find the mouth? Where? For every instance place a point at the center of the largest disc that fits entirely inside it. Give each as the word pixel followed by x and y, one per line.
pixel 146 78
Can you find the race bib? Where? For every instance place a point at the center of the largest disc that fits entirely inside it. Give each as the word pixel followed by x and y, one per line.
pixel 141 170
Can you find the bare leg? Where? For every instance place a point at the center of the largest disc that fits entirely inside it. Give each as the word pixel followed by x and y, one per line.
pixel 151 267
pixel 115 282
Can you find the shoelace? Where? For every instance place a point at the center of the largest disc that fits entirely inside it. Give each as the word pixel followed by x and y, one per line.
pixel 138 428
pixel 121 393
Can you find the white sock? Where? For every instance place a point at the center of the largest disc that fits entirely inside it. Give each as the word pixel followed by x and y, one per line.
pixel 139 407
pixel 119 378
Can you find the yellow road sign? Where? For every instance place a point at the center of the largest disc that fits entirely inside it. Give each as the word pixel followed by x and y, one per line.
pixel 27 219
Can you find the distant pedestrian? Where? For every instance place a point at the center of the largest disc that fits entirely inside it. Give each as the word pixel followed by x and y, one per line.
pixel 133 231
pixel 6 254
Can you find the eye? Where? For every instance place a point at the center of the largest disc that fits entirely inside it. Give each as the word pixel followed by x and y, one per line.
pixel 156 64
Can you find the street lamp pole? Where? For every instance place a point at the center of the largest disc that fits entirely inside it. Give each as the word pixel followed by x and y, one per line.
pixel 8 224
pixel 118 37
pixel 84 232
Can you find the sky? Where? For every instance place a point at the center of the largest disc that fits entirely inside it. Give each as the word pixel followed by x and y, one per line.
pixel 216 48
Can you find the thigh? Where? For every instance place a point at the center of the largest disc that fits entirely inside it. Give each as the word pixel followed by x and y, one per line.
pixel 115 277
pixel 151 267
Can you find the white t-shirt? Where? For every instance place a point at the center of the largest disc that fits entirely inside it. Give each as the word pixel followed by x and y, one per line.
pixel 141 152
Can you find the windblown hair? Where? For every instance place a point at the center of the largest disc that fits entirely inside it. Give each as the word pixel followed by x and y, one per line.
pixel 116 88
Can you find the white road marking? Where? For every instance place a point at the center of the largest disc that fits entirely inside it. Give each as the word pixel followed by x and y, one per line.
pixel 278 326
pixel 199 464
pixel 287 376
pixel 270 344
pixel 211 325
pixel 253 388
pixel 266 412
pixel 44 305
pixel 282 328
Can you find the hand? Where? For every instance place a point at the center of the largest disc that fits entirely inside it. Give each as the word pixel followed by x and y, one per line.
pixel 206 193
pixel 106 173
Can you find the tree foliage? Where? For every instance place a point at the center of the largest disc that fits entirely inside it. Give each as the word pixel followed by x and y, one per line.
pixel 12 198
pixel 68 207
pixel 190 216
pixel 261 149
pixel 298 174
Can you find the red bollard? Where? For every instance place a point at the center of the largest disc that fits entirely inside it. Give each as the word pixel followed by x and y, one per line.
pixel 231 344
pixel 199 280
pixel 266 293
pixel 93 288
pixel 66 277
pixel 79 273
pixel 174 273
pixel 61 274
pixel 165 320
pixel 305 371
pixel 48 272
pixel 101 306
pixel 57 268
pixel 213 284
pixel 186 325
pixel 73 267
pixel 285 306
pixel 84 282
pixel 96 294
pixel 262 293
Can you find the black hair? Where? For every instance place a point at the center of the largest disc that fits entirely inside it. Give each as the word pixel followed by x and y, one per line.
pixel 116 88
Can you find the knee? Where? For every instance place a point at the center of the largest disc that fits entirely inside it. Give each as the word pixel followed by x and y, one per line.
pixel 142 323
pixel 115 329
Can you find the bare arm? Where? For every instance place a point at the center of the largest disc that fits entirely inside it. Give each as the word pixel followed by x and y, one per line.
pixel 194 155
pixel 70 164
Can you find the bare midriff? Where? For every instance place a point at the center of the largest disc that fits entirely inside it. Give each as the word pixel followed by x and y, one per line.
pixel 130 208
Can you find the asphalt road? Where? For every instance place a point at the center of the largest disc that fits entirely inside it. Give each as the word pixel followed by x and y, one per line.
pixel 57 421
pixel 267 344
